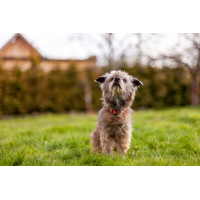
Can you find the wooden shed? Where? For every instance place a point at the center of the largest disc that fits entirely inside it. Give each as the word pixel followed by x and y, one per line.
pixel 19 52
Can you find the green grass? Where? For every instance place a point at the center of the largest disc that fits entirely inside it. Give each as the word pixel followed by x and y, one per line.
pixel 160 137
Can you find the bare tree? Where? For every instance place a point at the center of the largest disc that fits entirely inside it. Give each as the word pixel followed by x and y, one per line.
pixel 114 48
pixel 186 53
pixel 108 42
pixel 139 47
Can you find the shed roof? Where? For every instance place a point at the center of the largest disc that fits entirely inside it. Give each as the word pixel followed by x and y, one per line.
pixel 19 36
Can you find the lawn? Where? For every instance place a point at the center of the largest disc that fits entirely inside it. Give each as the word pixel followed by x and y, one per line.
pixel 160 137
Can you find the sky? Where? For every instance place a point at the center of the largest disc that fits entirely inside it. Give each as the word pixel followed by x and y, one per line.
pixel 52 45
pixel 62 46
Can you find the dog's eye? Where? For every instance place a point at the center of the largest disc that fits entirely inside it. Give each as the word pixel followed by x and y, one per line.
pixel 124 80
pixel 112 79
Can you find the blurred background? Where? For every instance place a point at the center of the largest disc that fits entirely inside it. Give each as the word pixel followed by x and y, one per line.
pixel 55 72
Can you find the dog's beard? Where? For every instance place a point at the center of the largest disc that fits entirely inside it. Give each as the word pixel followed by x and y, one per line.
pixel 116 85
pixel 116 89
pixel 115 95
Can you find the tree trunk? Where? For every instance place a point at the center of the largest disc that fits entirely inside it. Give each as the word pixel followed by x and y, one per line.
pixel 88 94
pixel 111 64
pixel 195 91
pixel 2 94
pixel 139 48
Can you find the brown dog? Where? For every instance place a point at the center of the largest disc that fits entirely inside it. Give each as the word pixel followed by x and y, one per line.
pixel 114 126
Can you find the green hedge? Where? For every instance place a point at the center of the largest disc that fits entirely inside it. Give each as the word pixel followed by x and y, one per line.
pixel 63 91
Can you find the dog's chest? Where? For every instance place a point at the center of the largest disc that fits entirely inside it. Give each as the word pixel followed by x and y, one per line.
pixel 115 127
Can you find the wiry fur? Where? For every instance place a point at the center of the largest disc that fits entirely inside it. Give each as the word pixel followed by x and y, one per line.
pixel 114 130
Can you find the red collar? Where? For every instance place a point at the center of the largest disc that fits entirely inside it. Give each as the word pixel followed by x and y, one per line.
pixel 115 112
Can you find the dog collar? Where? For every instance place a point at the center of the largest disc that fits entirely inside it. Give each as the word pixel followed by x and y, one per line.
pixel 115 112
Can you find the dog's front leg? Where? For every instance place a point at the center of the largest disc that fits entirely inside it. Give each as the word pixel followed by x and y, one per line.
pixel 119 148
pixel 106 143
pixel 123 144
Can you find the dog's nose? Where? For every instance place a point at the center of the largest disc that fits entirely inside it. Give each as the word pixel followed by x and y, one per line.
pixel 117 79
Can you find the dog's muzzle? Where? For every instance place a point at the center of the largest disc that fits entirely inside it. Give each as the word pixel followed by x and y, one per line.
pixel 116 83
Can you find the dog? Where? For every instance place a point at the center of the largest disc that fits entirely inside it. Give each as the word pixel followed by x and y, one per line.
pixel 114 126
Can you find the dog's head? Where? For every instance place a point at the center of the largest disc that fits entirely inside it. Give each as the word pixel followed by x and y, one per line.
pixel 118 86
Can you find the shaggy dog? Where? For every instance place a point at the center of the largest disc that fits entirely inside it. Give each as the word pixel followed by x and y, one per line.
pixel 114 126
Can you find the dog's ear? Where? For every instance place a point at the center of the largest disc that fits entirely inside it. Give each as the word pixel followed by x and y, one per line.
pixel 101 79
pixel 136 82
